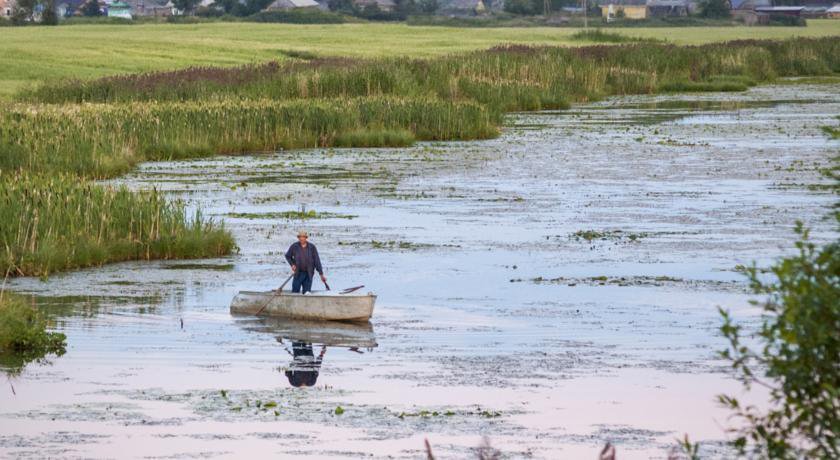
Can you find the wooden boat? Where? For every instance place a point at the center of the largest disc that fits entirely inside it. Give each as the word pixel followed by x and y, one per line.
pixel 332 333
pixel 318 306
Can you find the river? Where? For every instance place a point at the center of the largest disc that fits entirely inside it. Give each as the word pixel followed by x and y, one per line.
pixel 551 289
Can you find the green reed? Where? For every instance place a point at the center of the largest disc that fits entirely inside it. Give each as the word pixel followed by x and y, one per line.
pixel 504 78
pixel 102 140
pixel 60 222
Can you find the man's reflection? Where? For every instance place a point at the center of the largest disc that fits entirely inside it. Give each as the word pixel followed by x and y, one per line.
pixel 304 368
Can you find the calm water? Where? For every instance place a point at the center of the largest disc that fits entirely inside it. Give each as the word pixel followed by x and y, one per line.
pixel 496 315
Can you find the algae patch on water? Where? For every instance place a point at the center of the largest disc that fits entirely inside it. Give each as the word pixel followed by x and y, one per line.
pixel 290 215
pixel 637 281
pixel 394 245
pixel 614 235
pixel 217 267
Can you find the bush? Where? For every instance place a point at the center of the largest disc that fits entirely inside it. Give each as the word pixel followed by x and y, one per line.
pixel 599 36
pixel 299 16
pixel 788 21
pixel 91 9
pixel 23 334
pixel 714 9
pixel 523 7
pixel 98 20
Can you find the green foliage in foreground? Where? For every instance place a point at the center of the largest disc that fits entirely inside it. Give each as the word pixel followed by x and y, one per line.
pixel 60 222
pixel 795 353
pixel 23 334
pixel 797 358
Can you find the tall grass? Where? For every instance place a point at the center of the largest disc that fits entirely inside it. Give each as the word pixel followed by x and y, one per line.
pixel 502 77
pixel 60 222
pixel 102 140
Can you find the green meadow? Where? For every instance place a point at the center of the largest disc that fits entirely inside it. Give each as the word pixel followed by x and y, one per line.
pixel 35 54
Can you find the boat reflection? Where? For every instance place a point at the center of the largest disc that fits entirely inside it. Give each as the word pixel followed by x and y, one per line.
pixel 306 342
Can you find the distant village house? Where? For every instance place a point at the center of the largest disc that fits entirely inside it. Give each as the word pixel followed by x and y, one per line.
pixel 623 9
pixel 464 8
pixel 119 10
pixel 6 7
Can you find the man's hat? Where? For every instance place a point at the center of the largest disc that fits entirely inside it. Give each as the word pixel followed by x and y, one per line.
pixel 303 233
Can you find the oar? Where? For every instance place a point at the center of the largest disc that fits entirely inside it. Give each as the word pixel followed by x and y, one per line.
pixel 327 285
pixel 349 290
pixel 279 291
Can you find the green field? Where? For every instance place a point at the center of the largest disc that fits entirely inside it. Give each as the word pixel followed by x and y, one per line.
pixel 35 54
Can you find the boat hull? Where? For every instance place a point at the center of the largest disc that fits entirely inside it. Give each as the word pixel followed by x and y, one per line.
pixel 332 307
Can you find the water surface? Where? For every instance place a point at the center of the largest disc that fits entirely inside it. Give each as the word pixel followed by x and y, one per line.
pixel 551 289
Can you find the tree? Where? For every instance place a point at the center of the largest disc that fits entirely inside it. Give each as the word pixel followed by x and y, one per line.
pixel 186 6
pixel 24 11
pixel 250 7
pixel 428 6
pixel 228 6
pixel 91 9
pixel 342 6
pixel 533 7
pixel 523 7
pixel 714 9
pixel 799 357
pixel 49 16
pixel 404 8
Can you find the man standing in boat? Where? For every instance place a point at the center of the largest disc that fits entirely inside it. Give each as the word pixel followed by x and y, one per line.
pixel 304 259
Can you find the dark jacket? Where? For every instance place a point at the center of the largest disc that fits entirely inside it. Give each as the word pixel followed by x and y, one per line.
pixel 305 259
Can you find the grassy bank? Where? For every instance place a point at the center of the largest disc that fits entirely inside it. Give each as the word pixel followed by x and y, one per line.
pixel 33 55
pixel 60 222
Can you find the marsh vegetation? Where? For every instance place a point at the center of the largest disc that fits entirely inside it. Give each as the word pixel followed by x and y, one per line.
pixel 102 128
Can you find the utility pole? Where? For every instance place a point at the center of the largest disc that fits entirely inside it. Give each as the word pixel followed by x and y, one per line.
pixel 585 15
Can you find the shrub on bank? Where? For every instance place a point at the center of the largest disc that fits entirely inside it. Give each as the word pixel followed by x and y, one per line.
pixel 23 333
